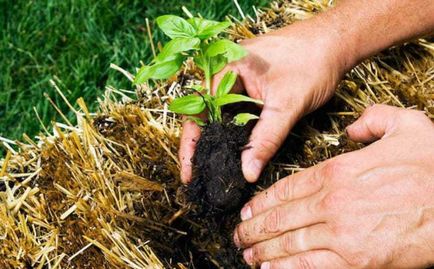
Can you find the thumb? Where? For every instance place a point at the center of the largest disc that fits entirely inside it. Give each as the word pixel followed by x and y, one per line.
pixel 268 135
pixel 190 136
pixel 375 123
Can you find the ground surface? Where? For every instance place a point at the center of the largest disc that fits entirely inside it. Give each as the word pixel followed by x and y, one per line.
pixel 76 41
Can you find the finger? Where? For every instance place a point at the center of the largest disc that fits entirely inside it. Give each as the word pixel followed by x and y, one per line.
pixel 190 136
pixel 237 88
pixel 323 259
pixel 376 122
pixel 293 187
pixel 291 243
pixel 276 221
pixel 267 136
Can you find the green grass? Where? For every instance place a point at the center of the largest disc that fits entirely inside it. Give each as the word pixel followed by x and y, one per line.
pixel 75 41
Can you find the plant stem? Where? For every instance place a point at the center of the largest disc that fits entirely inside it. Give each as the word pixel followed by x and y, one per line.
pixel 214 112
pixel 208 81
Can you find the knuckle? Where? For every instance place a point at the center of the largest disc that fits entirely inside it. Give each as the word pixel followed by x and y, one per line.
pixel 359 260
pixel 349 246
pixel 287 242
pixel 403 116
pixel 371 111
pixel 316 181
pixel 370 120
pixel 333 169
pixel 333 201
pixel 272 221
pixel 269 145
pixel 304 262
pixel 336 230
pixel 283 190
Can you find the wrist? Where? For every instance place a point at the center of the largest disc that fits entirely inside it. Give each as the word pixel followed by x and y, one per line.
pixel 329 35
pixel 342 37
pixel 324 40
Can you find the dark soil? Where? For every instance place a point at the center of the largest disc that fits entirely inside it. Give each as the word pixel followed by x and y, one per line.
pixel 219 190
pixel 218 183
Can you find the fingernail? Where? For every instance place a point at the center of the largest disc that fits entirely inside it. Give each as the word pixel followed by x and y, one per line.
pixel 248 256
pixel 252 170
pixel 236 239
pixel 246 213
pixel 265 265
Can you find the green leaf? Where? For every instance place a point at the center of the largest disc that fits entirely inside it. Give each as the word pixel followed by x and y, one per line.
pixel 200 24
pixel 212 31
pixel 174 26
pixel 226 84
pixel 188 105
pixel 143 75
pixel 201 62
pixel 168 58
pixel 217 48
pixel 178 45
pixel 243 118
pixel 160 70
pixel 167 69
pixel 217 63
pixel 207 28
pixel 197 120
pixel 232 51
pixel 214 111
pixel 235 98
pixel 214 64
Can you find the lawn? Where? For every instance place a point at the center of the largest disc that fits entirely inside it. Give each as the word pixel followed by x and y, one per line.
pixel 75 41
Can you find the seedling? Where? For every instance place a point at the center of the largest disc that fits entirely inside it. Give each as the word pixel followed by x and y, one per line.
pixel 199 39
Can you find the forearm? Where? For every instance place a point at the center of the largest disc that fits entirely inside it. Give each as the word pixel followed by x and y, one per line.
pixel 365 27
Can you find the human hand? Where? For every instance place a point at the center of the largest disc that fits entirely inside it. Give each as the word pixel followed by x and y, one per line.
pixel 371 208
pixel 294 71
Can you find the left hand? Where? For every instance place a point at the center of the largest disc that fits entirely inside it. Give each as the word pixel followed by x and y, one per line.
pixel 372 208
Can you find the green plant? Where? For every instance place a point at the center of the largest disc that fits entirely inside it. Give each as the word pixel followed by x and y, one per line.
pixel 196 103
pixel 198 38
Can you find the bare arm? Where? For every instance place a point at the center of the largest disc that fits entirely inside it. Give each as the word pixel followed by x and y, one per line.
pixel 366 27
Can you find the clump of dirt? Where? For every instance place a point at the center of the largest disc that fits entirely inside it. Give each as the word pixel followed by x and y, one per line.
pixel 218 191
pixel 218 183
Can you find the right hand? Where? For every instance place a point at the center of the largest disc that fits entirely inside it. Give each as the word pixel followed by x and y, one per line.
pixel 294 71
